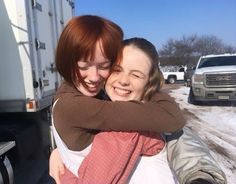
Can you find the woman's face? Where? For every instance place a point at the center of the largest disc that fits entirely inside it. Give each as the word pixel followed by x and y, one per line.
pixel 94 73
pixel 129 78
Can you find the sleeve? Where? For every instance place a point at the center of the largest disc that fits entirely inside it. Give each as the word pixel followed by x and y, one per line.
pixel 190 160
pixel 125 147
pixel 161 114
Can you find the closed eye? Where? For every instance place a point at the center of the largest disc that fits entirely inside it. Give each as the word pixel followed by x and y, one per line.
pixel 83 67
pixel 104 66
pixel 138 75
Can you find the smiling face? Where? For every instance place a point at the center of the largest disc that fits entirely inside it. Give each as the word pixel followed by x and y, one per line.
pixel 93 73
pixel 130 76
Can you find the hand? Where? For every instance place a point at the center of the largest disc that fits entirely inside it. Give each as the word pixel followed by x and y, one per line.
pixel 56 166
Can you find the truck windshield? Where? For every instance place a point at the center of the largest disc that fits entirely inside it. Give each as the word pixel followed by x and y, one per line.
pixel 217 61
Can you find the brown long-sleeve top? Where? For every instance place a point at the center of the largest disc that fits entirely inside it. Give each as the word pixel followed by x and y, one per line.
pixel 78 118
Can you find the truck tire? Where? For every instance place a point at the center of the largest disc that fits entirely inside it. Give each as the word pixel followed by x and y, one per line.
pixel 191 97
pixel 6 171
pixel 171 79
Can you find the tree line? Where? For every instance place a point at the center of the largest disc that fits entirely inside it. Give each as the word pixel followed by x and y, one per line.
pixel 188 49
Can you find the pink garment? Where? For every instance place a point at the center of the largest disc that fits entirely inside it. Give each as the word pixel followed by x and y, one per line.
pixel 68 178
pixel 113 157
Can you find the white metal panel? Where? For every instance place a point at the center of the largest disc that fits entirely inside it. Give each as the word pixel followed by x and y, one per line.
pixel 59 17
pixel 24 48
pixel 68 12
pixel 21 63
pixel 63 13
pixel 15 69
pixel 45 35
pixel 54 24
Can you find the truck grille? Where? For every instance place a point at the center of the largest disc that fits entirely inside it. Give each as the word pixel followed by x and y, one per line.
pixel 226 79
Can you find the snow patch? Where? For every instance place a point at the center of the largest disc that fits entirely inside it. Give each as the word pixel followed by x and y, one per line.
pixel 216 125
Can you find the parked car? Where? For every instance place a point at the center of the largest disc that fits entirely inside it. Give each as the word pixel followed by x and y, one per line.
pixel 172 77
pixel 214 79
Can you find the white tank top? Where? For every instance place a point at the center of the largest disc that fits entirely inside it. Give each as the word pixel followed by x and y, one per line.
pixel 71 159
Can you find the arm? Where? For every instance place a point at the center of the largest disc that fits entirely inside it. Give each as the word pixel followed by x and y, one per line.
pixel 190 159
pixel 118 153
pixel 161 114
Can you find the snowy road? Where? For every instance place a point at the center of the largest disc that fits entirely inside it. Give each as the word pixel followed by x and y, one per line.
pixel 216 125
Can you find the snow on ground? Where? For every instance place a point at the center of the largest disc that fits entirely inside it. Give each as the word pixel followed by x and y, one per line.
pixel 216 125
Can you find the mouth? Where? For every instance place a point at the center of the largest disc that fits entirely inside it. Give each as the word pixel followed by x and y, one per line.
pixel 121 91
pixel 93 86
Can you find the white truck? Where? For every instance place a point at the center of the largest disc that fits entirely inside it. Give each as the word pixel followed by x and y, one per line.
pixel 29 33
pixel 214 79
pixel 171 77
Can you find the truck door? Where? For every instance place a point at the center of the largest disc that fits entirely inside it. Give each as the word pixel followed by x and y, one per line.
pixel 45 41
pixel 64 11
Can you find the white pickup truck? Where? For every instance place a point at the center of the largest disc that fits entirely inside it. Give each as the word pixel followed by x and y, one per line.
pixel 214 79
pixel 172 77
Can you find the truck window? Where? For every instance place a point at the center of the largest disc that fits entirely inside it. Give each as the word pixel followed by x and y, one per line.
pixel 217 61
pixel 181 70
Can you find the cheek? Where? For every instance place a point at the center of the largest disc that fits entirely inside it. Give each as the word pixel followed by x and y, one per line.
pixel 140 86
pixel 108 82
pixel 83 73
pixel 111 78
pixel 108 88
pixel 105 74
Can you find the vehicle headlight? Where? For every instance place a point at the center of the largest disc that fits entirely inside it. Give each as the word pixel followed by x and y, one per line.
pixel 198 78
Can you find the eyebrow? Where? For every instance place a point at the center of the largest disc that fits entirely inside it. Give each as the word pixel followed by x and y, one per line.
pixel 89 62
pixel 118 66
pixel 106 61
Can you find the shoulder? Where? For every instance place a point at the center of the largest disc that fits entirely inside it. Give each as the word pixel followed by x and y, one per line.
pixel 160 96
pixel 66 90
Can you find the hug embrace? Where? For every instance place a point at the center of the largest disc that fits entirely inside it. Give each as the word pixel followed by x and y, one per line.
pixel 111 121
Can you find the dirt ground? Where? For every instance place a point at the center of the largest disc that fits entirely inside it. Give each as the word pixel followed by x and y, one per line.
pixel 168 87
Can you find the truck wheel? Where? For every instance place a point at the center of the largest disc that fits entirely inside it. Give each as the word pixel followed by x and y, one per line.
pixel 191 98
pixel 171 80
pixel 6 171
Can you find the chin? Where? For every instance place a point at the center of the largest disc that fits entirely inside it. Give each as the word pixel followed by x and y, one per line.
pixel 86 92
pixel 91 94
pixel 119 98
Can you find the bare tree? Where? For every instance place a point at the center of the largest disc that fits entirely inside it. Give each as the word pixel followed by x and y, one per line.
pixel 188 49
pixel 209 45
pixel 168 49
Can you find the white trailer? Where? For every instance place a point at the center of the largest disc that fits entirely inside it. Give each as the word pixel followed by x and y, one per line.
pixel 29 33
pixel 28 38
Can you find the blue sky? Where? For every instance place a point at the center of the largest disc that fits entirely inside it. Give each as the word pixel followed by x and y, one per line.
pixel 160 20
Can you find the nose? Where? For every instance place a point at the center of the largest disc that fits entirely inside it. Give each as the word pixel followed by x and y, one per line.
pixel 124 79
pixel 93 74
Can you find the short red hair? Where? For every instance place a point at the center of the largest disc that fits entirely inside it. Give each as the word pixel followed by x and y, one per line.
pixel 78 41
